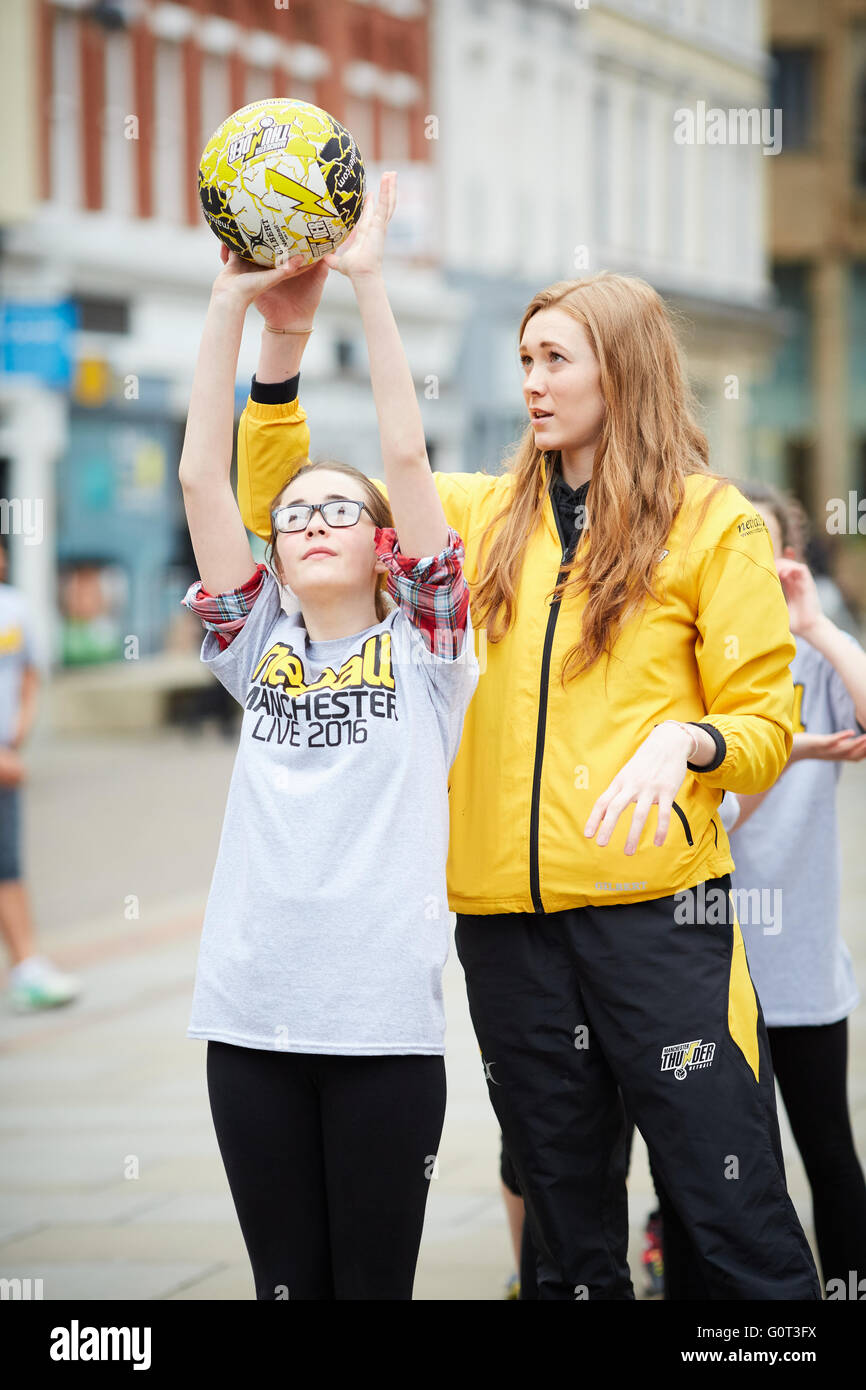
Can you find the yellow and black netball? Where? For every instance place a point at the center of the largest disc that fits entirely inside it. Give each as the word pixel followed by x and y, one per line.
pixel 281 178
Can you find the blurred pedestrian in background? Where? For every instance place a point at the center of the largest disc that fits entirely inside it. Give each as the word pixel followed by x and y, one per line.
pixel 802 967
pixel 34 982
pixel 785 844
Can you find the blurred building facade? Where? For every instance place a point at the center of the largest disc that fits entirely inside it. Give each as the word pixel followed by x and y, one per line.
pixel 534 141
pixel 107 264
pixel 563 161
pixel 810 412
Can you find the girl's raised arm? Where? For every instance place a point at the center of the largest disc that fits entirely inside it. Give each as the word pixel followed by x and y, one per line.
pixel 808 620
pixel 419 519
pixel 219 539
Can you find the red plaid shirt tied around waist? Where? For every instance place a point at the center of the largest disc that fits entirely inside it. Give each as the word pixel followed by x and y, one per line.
pixel 432 592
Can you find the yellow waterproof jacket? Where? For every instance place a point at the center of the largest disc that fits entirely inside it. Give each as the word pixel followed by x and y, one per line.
pixel 535 757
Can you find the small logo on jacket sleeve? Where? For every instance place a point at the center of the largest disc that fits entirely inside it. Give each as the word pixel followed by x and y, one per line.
pixel 753 523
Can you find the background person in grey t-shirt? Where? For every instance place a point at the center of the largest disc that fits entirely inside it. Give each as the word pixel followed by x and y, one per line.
pixel 786 887
pixel 34 982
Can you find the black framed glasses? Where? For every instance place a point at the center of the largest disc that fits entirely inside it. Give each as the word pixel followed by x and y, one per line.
pixel 339 511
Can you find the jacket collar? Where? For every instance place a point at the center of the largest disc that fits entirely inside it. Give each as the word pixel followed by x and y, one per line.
pixel 548 464
pixel 562 497
pixel 570 496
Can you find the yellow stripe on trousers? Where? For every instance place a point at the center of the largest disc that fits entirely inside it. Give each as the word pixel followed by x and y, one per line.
pixel 742 1003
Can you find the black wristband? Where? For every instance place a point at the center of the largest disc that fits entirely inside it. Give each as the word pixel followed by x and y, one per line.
pixel 721 747
pixel 275 392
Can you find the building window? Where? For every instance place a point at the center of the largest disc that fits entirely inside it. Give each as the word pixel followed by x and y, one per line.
pixel 258 84
pixel 303 16
pixel 601 166
pixel 793 93
pixel 799 463
pixel 167 156
pixel 675 209
pixel 99 315
pixel 361 37
pixel 473 207
pixel 359 120
pixel 214 96
pixel 859 130
pixel 640 169
pixel 395 133
pixel 746 249
pixel 400 51
pixel 65 111
pixel 783 406
pixel 118 153
pixel 298 90
pixel 860 479
pixel 792 288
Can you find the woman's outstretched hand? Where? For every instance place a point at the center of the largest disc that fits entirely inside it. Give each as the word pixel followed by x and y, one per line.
pixel 364 247
pixel 653 774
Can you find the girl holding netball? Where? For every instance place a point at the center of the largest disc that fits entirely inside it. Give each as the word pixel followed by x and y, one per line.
pixel 318 986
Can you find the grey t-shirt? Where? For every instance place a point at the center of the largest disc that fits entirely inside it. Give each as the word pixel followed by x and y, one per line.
pixel 788 870
pixel 327 925
pixel 18 649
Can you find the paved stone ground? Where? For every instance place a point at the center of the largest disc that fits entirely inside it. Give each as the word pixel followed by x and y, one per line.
pixel 111 1183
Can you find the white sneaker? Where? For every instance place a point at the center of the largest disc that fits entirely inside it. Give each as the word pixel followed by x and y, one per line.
pixel 37 984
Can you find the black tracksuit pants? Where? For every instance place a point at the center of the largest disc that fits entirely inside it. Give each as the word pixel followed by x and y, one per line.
pixel 810 1063
pixel 571 1007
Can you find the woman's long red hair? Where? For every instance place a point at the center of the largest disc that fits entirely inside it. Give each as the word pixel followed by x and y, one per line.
pixel 649 443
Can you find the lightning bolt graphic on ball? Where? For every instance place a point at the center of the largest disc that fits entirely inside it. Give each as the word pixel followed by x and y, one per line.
pixel 305 199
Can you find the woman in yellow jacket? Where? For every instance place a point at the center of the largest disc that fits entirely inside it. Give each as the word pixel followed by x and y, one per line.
pixel 634 648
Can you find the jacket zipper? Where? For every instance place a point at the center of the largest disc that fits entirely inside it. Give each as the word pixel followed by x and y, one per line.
pixel 541 727
pixel 682 815
pixel 540 732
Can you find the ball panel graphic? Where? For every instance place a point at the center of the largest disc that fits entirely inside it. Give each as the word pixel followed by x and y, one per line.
pixel 281 178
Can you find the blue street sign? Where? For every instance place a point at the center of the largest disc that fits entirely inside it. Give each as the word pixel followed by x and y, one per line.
pixel 36 339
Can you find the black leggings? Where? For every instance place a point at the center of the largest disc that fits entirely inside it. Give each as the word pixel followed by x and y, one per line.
pixel 810 1064
pixel 811 1067
pixel 329 1160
